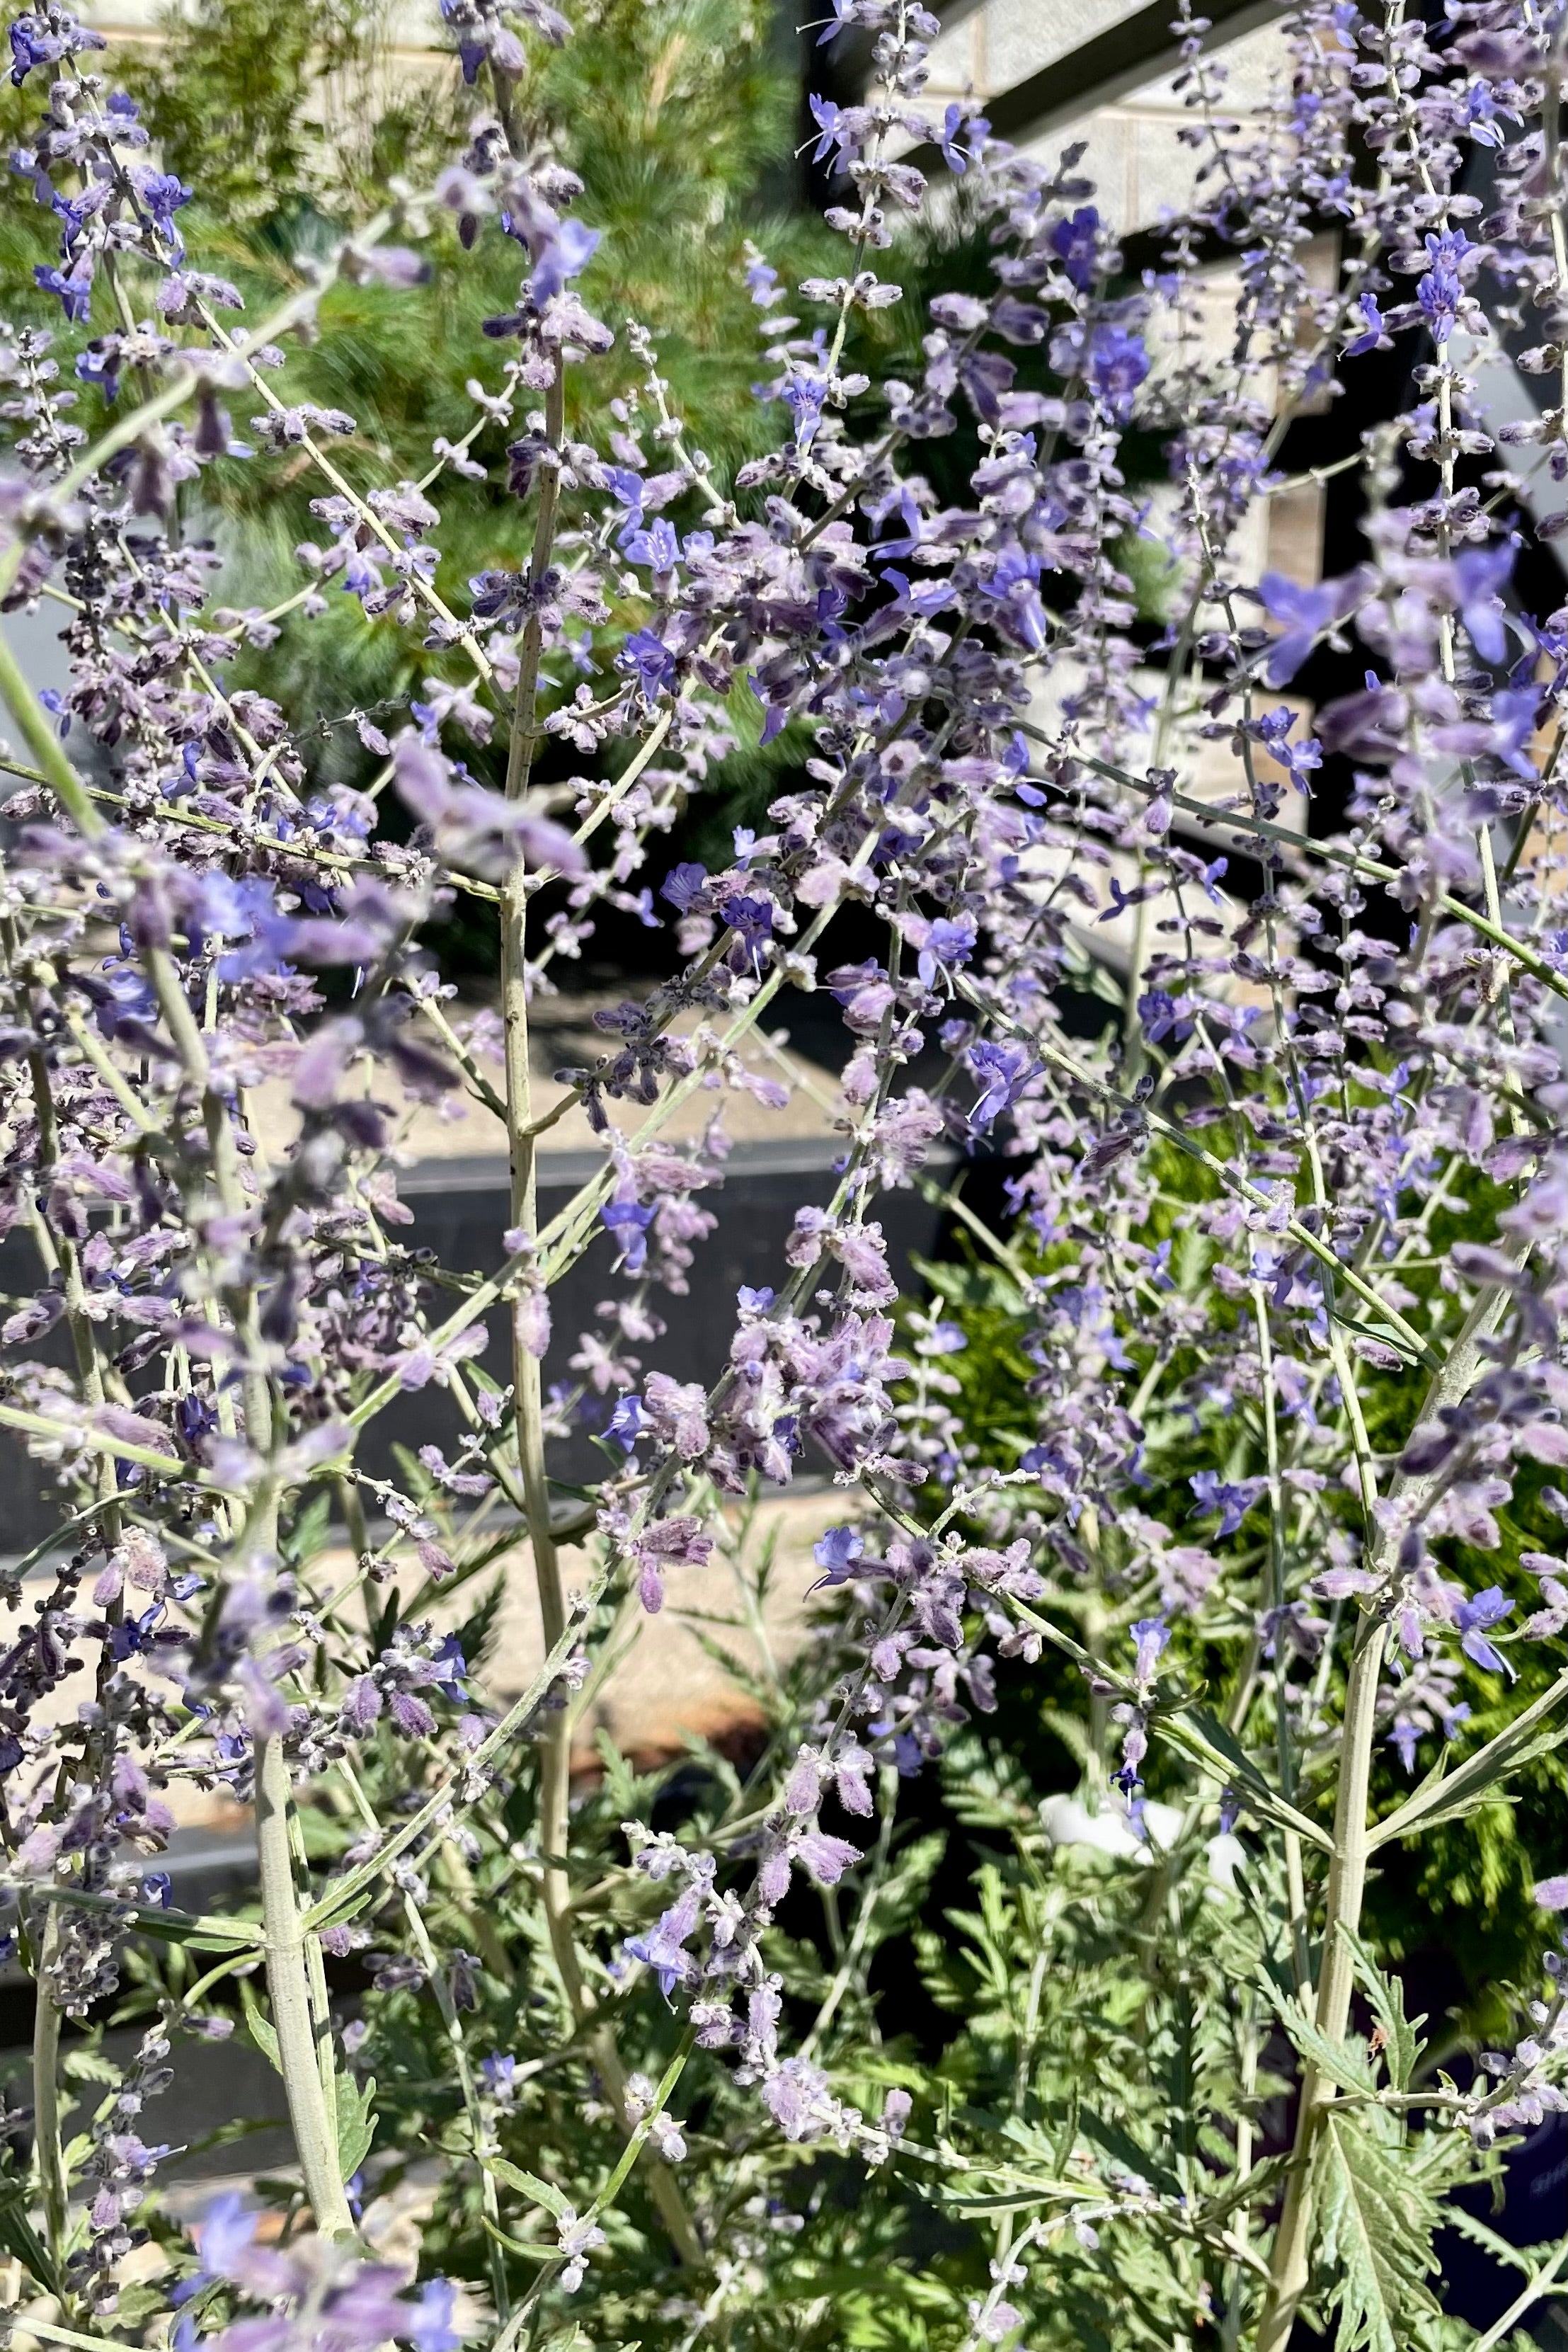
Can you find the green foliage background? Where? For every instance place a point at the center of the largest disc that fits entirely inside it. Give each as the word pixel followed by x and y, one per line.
pixel 287 123
pixel 1459 1895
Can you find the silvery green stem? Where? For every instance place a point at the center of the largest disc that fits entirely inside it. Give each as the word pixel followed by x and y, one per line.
pixel 527 1390
pixel 289 1985
pixel 1542 2283
pixel 48 2152
pixel 1294 1884
pixel 1346 1886
pixel 555 1735
pixel 64 1262
pixel 38 732
pixel 1291 2258
pixel 295 1981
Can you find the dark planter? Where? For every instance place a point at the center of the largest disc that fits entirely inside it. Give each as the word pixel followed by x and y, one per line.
pixel 461 1210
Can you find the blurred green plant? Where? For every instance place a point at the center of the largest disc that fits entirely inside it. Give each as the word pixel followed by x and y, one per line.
pixel 283 120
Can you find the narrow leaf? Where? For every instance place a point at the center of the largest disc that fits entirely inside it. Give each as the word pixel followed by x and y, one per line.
pixel 1125 2151
pixel 1470 1784
pixel 536 2249
pixel 261 2033
pixel 22 2241
pixel 1200 1734
pixel 528 2184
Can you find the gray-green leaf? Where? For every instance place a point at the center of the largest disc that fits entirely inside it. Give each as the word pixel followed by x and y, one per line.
pixel 21 2241
pixel 356 2122
pixel 1385 1996
pixel 1449 1796
pixel 258 2027
pixel 530 2185
pixel 1339 2061
pixel 1376 2224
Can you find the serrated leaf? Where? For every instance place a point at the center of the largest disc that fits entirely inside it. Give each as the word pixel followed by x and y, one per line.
pixel 1469 2226
pixel 1339 2061
pixel 619 1779
pixel 356 2122
pixel 89 2066
pixel 312 1529
pixel 1375 2226
pixel 528 2184
pixel 144 2299
pixel 1385 1996
pixel 1070 1730
pixel 730 1662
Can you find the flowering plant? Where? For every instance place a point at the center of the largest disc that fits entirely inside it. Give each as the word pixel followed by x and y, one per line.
pixel 1285 1253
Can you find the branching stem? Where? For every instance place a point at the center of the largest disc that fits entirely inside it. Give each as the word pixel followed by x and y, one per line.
pixel 289 1985
pixel 554 1745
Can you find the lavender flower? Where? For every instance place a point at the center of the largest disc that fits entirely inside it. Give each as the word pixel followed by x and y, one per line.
pixel 1279 1187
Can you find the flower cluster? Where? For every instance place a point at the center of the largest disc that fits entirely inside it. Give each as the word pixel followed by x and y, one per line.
pixel 1279 1279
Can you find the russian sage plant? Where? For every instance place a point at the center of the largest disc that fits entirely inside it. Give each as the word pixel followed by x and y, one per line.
pixel 1286 1256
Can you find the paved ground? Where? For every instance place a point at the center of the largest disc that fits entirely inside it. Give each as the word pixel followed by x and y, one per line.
pixel 661 1683
pixel 658 1680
